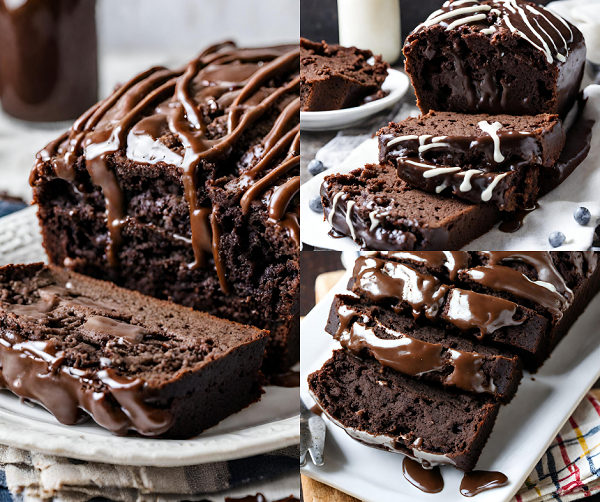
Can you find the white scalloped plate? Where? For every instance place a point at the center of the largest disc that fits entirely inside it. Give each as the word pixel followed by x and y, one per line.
pixel 396 82
pixel 268 425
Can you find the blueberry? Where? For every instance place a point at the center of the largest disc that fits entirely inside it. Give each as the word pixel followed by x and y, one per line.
pixel 316 167
pixel 315 204
pixel 582 215
pixel 556 239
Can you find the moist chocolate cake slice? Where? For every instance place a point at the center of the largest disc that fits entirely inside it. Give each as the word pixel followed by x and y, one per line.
pixel 382 212
pixel 480 158
pixel 336 77
pixel 388 410
pixel 519 300
pixel 184 185
pixel 495 56
pixel 422 350
pixel 87 348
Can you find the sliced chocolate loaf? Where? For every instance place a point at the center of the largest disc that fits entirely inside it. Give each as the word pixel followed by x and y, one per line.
pixel 480 158
pixel 336 77
pixel 495 56
pixel 184 185
pixel 519 300
pixel 388 410
pixel 382 212
pixel 87 348
pixel 422 350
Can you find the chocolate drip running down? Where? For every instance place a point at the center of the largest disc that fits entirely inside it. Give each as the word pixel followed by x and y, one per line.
pixel 426 480
pixel 222 78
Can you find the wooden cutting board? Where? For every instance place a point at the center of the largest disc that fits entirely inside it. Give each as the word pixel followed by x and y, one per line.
pixel 314 491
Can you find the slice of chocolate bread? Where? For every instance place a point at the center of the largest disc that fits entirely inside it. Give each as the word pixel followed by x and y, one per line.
pixel 82 347
pixel 335 77
pixel 520 300
pixel 495 56
pixel 480 158
pixel 422 350
pixel 184 185
pixel 382 212
pixel 388 410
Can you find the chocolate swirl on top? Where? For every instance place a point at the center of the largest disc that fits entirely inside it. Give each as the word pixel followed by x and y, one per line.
pixel 238 83
pixel 547 32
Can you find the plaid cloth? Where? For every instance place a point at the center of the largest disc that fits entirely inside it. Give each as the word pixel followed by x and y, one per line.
pixel 570 469
pixel 28 475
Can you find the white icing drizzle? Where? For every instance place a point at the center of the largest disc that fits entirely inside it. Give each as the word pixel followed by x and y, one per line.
pixel 335 199
pixel 465 186
pixel 423 138
pixel 438 138
pixel 460 2
pixel 544 284
pixel 401 138
pixel 424 148
pixel 434 171
pixel 348 219
pixel 488 31
pixel 457 12
pixel 441 188
pixel 492 130
pixel 465 20
pixel 374 220
pixel 486 195
pixel 559 56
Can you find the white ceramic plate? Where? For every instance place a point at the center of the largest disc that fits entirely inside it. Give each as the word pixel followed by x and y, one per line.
pixel 396 82
pixel 522 433
pixel 270 424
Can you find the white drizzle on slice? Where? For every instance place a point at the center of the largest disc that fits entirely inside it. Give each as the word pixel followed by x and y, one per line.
pixel 423 138
pixel 486 195
pixel 488 31
pixel 465 20
pixel 401 138
pixel 465 186
pixel 374 220
pixel 456 12
pixel 492 130
pixel 349 219
pixel 332 212
pixel 429 146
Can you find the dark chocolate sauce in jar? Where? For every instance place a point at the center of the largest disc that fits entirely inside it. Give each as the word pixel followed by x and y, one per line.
pixel 426 480
pixel 475 482
pixel 48 58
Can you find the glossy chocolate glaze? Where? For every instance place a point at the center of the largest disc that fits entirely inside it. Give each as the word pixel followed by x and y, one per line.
pixel 36 370
pixel 383 281
pixel 453 261
pixel 475 482
pixel 289 379
pixel 159 102
pixel 426 480
pixel 48 61
pixel 558 44
pixel 409 355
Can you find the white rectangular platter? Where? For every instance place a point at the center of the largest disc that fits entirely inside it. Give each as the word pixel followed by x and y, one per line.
pixel 522 433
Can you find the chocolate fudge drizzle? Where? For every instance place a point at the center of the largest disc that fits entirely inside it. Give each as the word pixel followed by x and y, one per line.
pixel 475 482
pixel 36 370
pixel 384 281
pixel 409 355
pixel 426 480
pixel 222 78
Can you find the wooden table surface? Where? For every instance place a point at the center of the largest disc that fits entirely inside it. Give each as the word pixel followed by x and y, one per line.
pixel 315 263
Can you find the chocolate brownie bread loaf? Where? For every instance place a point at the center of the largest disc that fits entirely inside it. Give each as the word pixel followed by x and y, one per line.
pixel 335 77
pixel 495 56
pixel 383 212
pixel 87 348
pixel 422 350
pixel 184 185
pixel 480 158
pixel 388 410
pixel 523 301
